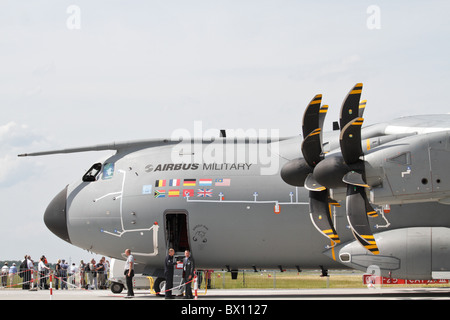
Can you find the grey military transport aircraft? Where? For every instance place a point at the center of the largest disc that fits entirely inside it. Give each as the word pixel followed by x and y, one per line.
pixel 350 198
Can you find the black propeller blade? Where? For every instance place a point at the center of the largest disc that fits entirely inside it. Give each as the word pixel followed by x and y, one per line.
pixel 357 205
pixel 362 107
pixel 350 107
pixel 319 204
pixel 350 140
pixel 320 212
pixel 312 146
pixel 357 218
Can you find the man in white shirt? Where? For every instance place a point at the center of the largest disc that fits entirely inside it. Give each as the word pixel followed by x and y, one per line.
pixel 5 271
pixel 42 268
pixel 73 269
pixel 30 271
pixel 129 273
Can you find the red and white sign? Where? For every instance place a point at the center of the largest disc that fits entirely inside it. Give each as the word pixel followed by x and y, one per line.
pixel 368 278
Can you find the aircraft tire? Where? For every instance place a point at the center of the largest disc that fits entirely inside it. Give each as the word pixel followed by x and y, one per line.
pixel 116 287
pixel 159 285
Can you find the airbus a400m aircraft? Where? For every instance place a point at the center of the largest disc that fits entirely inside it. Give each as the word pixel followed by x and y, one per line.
pixel 352 197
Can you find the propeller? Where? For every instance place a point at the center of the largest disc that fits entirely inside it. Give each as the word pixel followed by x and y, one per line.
pixel 320 201
pixel 349 170
pixel 319 174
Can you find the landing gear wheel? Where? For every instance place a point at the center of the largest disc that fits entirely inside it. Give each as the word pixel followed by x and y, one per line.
pixel 116 287
pixel 159 286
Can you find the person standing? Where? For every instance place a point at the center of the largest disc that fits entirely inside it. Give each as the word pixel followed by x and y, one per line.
pixel 188 273
pixel 57 273
pixel 64 266
pixel 92 275
pixel 12 273
pixel 129 273
pixel 100 268
pixel 5 271
pixel 81 268
pixel 30 266
pixel 168 273
pixel 72 273
pixel 25 273
pixel 43 270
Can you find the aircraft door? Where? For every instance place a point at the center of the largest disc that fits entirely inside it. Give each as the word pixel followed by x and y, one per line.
pixel 176 230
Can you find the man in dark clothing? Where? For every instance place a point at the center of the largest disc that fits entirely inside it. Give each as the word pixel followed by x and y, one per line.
pixel 168 273
pixel 188 273
pixel 25 273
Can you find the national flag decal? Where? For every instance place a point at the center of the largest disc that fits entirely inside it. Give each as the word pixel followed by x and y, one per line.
pixel 222 182
pixel 188 193
pixel 160 193
pixel 189 182
pixel 203 193
pixel 160 183
pixel 204 182
pixel 174 193
pixel 174 182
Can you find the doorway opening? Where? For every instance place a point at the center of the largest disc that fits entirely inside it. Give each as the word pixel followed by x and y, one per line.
pixel 176 228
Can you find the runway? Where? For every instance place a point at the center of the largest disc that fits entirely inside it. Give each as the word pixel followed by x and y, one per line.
pixel 240 294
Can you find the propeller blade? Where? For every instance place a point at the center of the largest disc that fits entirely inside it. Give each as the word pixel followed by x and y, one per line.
pixel 370 211
pixel 350 123
pixel 350 107
pixel 334 203
pixel 311 115
pixel 350 141
pixel 320 214
pixel 355 179
pixel 322 114
pixel 356 201
pixel 311 145
pixel 362 107
pixel 295 171
pixel 312 185
pixel 312 148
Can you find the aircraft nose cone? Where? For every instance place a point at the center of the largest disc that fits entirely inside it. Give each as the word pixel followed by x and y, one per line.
pixel 55 216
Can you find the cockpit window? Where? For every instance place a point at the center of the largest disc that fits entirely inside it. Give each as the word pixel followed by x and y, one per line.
pixel 92 173
pixel 108 171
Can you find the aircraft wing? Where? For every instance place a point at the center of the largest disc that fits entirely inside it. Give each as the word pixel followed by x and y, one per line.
pixel 142 144
pixel 137 144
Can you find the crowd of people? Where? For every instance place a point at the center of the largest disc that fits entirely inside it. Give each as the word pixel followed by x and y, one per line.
pixel 89 275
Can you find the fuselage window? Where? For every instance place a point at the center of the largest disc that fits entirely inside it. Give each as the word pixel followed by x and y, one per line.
pixel 92 173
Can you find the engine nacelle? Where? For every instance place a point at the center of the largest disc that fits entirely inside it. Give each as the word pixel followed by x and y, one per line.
pixel 411 253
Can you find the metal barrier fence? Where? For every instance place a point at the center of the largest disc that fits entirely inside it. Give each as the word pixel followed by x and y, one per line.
pixel 206 279
pixel 32 279
pixel 210 279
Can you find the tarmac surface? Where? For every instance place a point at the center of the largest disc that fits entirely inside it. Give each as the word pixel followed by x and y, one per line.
pixel 240 294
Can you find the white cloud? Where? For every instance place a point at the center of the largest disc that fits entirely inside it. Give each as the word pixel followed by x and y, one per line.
pixel 13 139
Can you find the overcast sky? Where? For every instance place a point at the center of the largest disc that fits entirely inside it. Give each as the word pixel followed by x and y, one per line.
pixel 76 73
